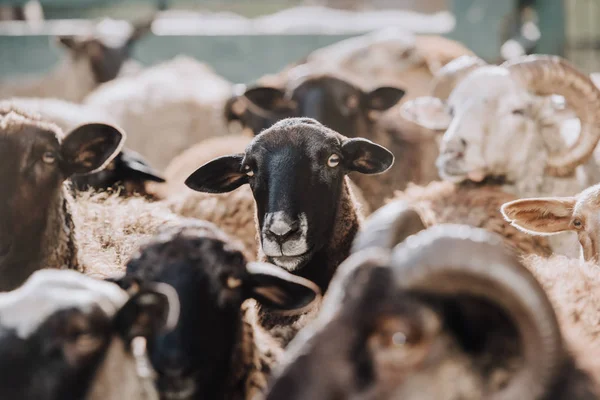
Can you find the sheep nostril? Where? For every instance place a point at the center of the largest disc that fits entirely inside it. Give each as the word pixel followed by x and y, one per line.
pixel 282 232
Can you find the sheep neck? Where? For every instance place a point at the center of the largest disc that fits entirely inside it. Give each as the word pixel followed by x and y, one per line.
pixel 58 245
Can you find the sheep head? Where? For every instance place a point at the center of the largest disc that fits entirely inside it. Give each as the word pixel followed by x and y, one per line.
pixel 551 215
pixel 333 100
pixel 35 160
pixel 105 53
pixel 450 315
pixel 497 120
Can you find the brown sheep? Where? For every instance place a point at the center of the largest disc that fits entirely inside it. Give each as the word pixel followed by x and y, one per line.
pixel 40 224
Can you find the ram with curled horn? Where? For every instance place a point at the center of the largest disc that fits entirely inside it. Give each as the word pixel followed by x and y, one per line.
pixel 451 314
pixel 503 121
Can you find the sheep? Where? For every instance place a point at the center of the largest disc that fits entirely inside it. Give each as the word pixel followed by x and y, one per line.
pixel 551 215
pixel 450 313
pixel 91 60
pixel 502 125
pixel 474 204
pixel 233 212
pixel 388 57
pixel 216 350
pixel 345 107
pixel 40 224
pixel 127 173
pixel 305 212
pixel 67 336
pixel 166 108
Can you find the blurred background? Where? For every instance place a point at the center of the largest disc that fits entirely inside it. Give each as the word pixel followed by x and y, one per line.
pixel 246 39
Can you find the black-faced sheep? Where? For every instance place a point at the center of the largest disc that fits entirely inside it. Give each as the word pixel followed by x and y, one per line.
pixel 450 314
pixel 233 212
pixel 90 61
pixel 306 215
pixel 127 173
pixel 340 104
pixel 216 350
pixel 40 225
pixel 67 336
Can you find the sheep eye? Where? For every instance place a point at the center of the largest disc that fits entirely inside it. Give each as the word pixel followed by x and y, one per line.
pixel 233 283
pixel 49 157
pixel 577 223
pixel 518 111
pixel 248 170
pixel 399 339
pixel 333 160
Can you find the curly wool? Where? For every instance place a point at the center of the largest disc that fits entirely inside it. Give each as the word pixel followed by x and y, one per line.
pixel 166 108
pixel 110 228
pixel 574 289
pixel 475 205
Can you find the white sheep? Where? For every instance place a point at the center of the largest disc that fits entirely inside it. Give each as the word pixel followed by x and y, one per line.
pixel 502 122
pixel 166 108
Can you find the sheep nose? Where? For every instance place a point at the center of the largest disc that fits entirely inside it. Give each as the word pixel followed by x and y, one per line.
pixel 456 148
pixel 281 231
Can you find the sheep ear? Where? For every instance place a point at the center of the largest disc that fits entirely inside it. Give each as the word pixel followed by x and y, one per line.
pixel 220 175
pixel 264 97
pixel 541 216
pixel 88 148
pixel 428 112
pixel 152 309
pixel 69 42
pixel 277 289
pixel 133 166
pixel 362 155
pixel 382 98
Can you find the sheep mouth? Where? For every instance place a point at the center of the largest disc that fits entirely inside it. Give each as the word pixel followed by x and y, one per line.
pixel 178 390
pixel 292 263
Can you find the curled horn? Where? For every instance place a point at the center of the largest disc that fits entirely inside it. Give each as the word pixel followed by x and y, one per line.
pixel 545 75
pixel 458 259
pixel 388 226
pixel 447 77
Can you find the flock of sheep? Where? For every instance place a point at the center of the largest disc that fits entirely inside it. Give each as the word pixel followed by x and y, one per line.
pixel 388 218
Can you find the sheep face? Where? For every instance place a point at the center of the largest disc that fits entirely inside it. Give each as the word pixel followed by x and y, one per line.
pixel 491 125
pixel 105 54
pixel 67 336
pixel 503 122
pixel 128 171
pixel 212 281
pixel 34 162
pixel 493 130
pixel 296 170
pixel 551 215
pixel 334 102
